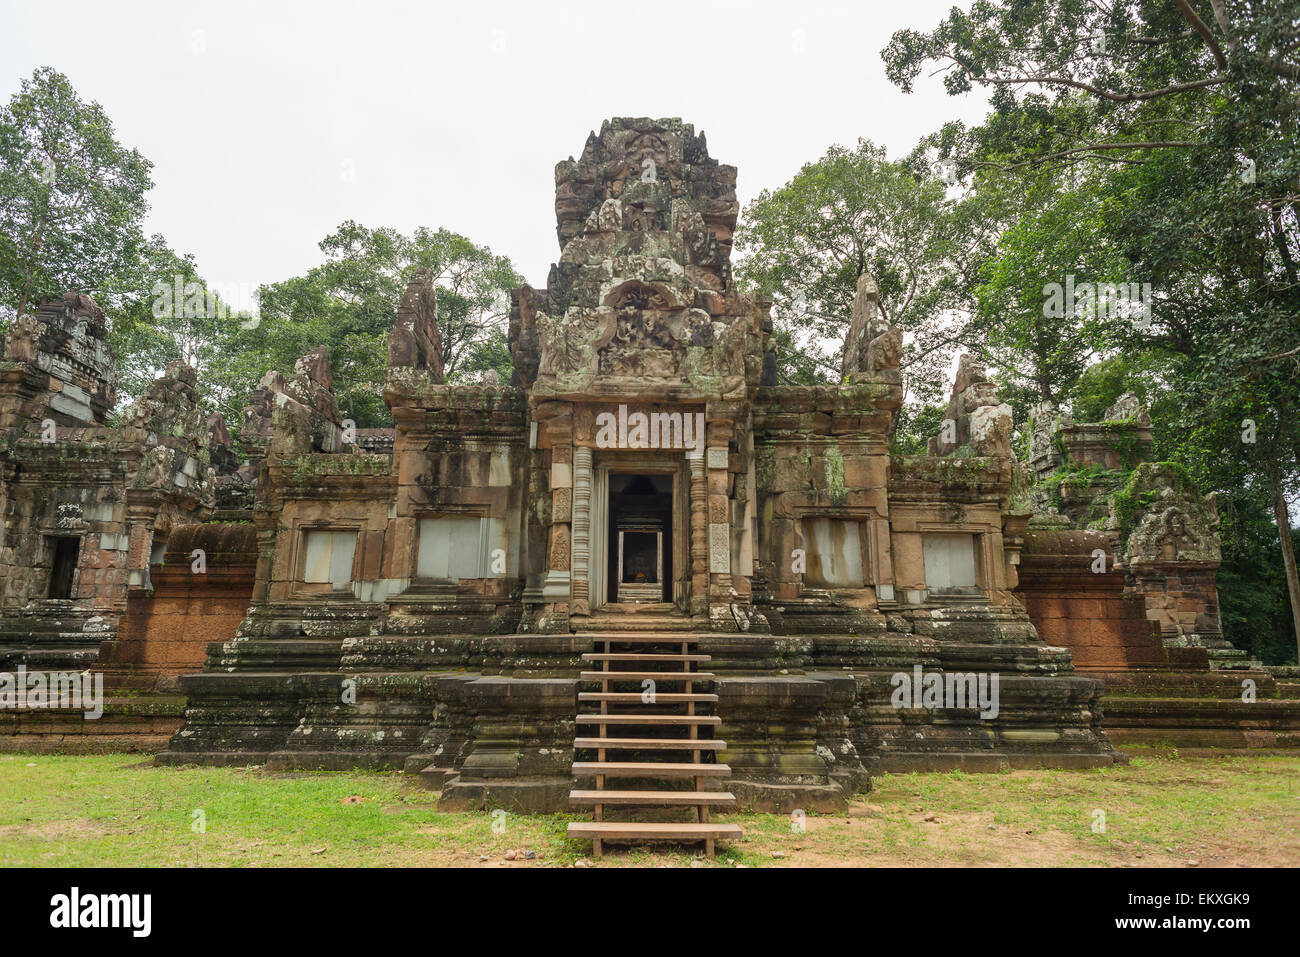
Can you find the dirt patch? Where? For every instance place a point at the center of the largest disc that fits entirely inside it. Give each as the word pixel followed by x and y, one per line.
pixel 69 829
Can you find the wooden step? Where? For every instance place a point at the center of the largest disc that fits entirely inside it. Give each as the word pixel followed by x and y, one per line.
pixel 651 769
pixel 668 719
pixel 630 697
pixel 630 830
pixel 652 675
pixel 646 637
pixel 652 744
pixel 643 656
pixel 654 798
pixel 639 622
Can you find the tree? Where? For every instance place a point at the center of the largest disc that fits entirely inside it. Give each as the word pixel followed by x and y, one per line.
pixel 853 212
pixel 1040 329
pixel 350 301
pixel 1186 124
pixel 71 197
pixel 162 310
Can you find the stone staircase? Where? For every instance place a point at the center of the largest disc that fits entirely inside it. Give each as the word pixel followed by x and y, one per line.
pixel 53 635
pixel 657 744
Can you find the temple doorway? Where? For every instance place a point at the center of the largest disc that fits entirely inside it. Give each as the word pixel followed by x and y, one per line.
pixel 640 545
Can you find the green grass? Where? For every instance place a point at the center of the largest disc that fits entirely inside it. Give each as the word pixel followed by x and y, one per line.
pixel 60 810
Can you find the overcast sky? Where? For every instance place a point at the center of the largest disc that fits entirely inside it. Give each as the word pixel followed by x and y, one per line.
pixel 270 123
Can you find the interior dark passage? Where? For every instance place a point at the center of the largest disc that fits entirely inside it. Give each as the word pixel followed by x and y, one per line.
pixel 64 566
pixel 640 538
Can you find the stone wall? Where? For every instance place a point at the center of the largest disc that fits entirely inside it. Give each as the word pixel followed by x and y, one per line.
pixel 79 494
pixel 168 626
pixel 1119 567
pixel 1105 627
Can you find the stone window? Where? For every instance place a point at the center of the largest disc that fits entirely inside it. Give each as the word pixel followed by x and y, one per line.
pixel 833 550
pixel 156 552
pixel 328 557
pixel 950 562
pixel 450 548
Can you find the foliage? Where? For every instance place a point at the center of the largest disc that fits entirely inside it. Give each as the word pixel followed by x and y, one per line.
pixel 1172 143
pixel 151 325
pixel 350 301
pixel 914 427
pixel 854 212
pixel 71 197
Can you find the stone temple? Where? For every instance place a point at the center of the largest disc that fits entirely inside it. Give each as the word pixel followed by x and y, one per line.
pixel 641 573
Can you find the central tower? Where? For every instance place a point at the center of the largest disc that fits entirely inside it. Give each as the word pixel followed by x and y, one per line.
pixel 641 325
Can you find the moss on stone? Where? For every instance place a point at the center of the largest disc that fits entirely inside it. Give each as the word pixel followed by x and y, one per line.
pixel 1136 496
pixel 835 474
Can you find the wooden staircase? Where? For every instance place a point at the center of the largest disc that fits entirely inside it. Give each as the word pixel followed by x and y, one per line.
pixel 657 737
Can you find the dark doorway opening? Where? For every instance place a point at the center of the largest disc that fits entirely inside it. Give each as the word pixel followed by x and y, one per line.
pixel 640 546
pixel 641 558
pixel 64 566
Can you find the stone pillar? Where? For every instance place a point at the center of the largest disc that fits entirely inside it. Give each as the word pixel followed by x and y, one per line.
pixel 582 479
pixel 881 559
pixel 137 553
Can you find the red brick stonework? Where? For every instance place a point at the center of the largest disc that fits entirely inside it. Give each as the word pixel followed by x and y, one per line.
pixel 1088 612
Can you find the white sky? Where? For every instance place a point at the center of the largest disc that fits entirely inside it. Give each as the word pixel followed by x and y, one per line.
pixel 270 123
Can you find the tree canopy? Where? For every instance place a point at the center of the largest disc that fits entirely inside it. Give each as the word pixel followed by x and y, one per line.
pixel 1158 149
pixel 853 212
pixel 71 196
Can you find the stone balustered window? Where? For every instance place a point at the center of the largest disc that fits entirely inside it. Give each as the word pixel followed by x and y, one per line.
pixel 834 553
pixel 950 564
pixel 328 557
pixel 450 548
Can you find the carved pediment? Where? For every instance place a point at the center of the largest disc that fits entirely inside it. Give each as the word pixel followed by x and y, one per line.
pixel 635 295
pixel 1174 522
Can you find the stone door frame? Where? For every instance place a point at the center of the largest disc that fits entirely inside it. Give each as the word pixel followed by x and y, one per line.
pixel 591 512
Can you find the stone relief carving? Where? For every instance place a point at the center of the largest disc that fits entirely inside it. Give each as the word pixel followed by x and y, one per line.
pixel 1128 406
pixel 1177 523
pixel 645 220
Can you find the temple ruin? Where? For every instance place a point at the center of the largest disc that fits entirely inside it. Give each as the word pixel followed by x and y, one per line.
pixel 640 573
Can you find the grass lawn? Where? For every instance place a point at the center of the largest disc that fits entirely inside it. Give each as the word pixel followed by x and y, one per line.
pixel 1160 810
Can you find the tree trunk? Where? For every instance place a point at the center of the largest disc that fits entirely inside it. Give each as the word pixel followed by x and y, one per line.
pixel 1288 551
